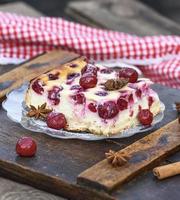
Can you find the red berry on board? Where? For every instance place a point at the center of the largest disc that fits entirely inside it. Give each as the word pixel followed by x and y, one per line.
pixel 56 120
pixel 129 73
pixel 37 87
pixel 79 98
pixel 145 117
pixel 92 107
pixel 108 110
pixel 122 104
pixel 88 81
pixel 26 147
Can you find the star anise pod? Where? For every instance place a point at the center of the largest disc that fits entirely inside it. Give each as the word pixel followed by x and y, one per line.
pixel 115 84
pixel 178 110
pixel 116 158
pixel 39 112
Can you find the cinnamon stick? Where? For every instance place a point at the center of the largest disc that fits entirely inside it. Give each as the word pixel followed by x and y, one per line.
pixel 167 170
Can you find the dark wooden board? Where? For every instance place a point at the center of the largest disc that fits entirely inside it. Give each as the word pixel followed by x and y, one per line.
pixel 143 154
pixel 58 162
pixel 130 16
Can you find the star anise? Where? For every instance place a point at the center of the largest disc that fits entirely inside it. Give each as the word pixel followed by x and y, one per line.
pixel 178 110
pixel 115 84
pixel 39 112
pixel 116 158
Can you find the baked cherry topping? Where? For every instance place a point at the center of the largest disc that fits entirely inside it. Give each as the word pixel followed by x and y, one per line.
pixel 101 93
pixel 54 95
pixel 26 147
pixel 53 76
pixel 108 110
pixel 130 99
pixel 73 65
pixel 92 107
pixel 56 120
pixel 79 98
pixel 145 117
pixel 122 104
pixel 88 81
pixel 72 76
pixel 37 87
pixel 129 73
pixel 150 101
pixel 88 69
pixel 106 71
pixel 138 93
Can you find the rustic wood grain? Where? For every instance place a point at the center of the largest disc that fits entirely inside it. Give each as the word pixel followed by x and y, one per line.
pixel 10 190
pixel 129 16
pixel 143 154
pixel 29 70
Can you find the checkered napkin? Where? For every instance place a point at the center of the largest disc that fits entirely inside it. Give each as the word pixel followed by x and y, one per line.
pixel 24 37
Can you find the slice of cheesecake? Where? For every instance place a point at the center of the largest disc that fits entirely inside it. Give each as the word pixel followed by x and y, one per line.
pixel 94 98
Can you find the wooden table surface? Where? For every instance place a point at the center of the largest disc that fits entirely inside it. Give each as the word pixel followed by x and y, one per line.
pixel 11 190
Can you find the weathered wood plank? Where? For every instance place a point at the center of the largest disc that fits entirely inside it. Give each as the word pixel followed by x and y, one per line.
pixel 129 16
pixel 144 153
pixel 10 190
pixel 31 69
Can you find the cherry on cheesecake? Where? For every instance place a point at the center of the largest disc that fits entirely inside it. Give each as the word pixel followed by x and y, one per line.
pixel 92 107
pixel 88 69
pixel 26 147
pixel 122 103
pixel 108 110
pixel 79 98
pixel 36 86
pixel 145 117
pixel 56 120
pixel 88 81
pixel 54 96
pixel 129 73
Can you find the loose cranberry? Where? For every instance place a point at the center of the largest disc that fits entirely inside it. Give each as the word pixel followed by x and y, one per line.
pixel 26 147
pixel 92 107
pixel 122 103
pixel 72 76
pixel 145 117
pixel 150 101
pixel 138 93
pixel 54 95
pixel 56 120
pixel 88 81
pixel 108 110
pixel 101 93
pixel 73 65
pixel 129 73
pixel 79 98
pixel 106 71
pixel 89 70
pixel 37 87
pixel 53 76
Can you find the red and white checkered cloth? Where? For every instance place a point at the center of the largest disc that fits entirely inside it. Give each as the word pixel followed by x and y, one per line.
pixel 157 56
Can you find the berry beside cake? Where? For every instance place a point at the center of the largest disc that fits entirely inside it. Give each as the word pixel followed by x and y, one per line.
pixel 89 97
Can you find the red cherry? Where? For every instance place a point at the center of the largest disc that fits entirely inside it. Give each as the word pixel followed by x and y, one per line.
pixel 122 103
pixel 150 101
pixel 26 147
pixel 56 120
pixel 108 110
pixel 92 107
pixel 88 81
pixel 129 73
pixel 130 99
pixel 88 69
pixel 37 87
pixel 79 98
pixel 54 95
pixel 138 93
pixel 145 116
